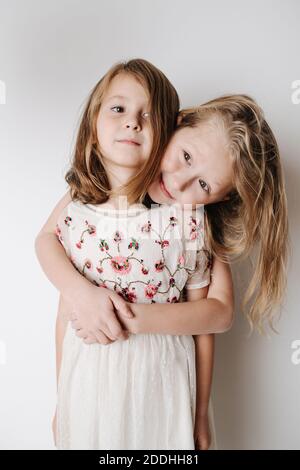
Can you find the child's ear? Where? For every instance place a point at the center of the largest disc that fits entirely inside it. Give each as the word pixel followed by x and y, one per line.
pixel 226 198
pixel 179 119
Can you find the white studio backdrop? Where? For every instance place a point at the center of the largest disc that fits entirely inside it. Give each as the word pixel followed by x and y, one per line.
pixel 51 55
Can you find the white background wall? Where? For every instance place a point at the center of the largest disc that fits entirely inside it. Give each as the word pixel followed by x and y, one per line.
pixel 51 54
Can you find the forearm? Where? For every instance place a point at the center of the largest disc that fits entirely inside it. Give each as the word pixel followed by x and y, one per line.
pixel 58 267
pixel 204 355
pixel 197 317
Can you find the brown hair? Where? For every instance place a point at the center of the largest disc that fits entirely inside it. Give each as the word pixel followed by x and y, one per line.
pixel 87 176
pixel 256 213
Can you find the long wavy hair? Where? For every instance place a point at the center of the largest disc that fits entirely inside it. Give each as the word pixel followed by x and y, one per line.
pixel 255 215
pixel 87 177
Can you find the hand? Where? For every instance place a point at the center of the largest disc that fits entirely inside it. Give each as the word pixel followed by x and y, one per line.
pixel 202 436
pixel 94 317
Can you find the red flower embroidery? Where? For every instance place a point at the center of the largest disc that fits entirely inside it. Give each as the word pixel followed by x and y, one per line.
pixel 196 228
pixel 145 270
pixel 88 264
pixel 163 243
pixel 91 228
pixel 173 300
pixel 146 227
pixel 68 221
pixel 129 295
pixel 150 291
pixel 173 221
pixel 103 245
pixel 134 244
pixel 120 264
pixel 118 236
pixel 159 266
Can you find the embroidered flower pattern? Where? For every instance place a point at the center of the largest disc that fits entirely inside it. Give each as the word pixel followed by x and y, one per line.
pixel 120 265
pixel 115 263
pixel 196 228
pixel 150 291
pixel 90 230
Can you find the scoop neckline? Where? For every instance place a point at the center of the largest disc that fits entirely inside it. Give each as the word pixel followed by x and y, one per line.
pixel 134 209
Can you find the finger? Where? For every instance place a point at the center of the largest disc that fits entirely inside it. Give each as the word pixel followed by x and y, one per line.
pixel 117 331
pixel 76 324
pixel 90 339
pixel 102 338
pixel 121 305
pixel 115 328
pixel 81 333
pixel 106 332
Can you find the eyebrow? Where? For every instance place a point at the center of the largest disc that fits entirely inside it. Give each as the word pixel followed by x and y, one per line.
pixel 125 98
pixel 117 97
pixel 195 151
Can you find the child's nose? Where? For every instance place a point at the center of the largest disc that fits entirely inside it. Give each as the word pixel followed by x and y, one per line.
pixel 133 123
pixel 182 181
pixel 179 183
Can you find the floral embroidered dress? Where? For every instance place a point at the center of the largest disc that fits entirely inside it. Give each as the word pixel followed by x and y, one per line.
pixel 139 393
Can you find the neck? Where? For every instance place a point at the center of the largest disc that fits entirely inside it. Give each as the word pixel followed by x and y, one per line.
pixel 118 177
pixel 123 176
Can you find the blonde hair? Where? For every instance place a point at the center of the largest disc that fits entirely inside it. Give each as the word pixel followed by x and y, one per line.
pixel 256 213
pixel 87 177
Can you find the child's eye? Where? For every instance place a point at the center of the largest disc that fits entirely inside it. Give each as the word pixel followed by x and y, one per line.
pixel 146 115
pixel 204 186
pixel 186 156
pixel 119 108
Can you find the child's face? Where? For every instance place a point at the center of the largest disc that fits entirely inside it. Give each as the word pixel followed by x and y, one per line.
pixel 196 167
pixel 123 125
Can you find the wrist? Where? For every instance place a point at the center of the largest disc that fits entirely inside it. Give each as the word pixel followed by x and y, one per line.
pixel 134 324
pixel 77 291
pixel 202 411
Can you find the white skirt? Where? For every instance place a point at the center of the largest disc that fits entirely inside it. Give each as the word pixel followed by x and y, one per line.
pixel 137 394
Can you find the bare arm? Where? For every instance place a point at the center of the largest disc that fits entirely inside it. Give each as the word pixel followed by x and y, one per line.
pixel 94 306
pixel 204 350
pixel 53 259
pixel 204 356
pixel 204 359
pixel 213 314
pixel 204 370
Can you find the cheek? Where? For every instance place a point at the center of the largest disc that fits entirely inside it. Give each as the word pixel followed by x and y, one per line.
pixel 168 163
pixel 191 199
pixel 195 196
pixel 150 137
pixel 100 126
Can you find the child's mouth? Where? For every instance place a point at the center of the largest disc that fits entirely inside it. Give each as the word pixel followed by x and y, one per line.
pixel 164 189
